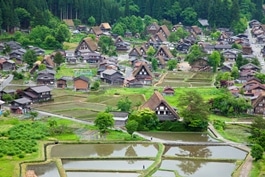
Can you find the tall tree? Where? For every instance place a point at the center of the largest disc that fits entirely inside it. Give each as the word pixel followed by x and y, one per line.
pixel 104 121
pixel 30 58
pixel 194 110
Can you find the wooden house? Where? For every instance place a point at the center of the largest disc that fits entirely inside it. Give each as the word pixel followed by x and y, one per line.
pixel 46 77
pixel 47 60
pixel 229 55
pixel 37 93
pixel 164 30
pixel 112 76
pixel 200 65
pixel 143 74
pixel 135 52
pixel 152 28
pixel 159 105
pixel 7 65
pixel 121 45
pixel 249 66
pixel 105 27
pixel 258 105
pixel 169 91
pixel 87 45
pixel 62 82
pixel 159 38
pixel 164 52
pixel 20 106
pixel 93 58
pixel 96 31
pixel 197 30
pixel 81 83
pixel 247 50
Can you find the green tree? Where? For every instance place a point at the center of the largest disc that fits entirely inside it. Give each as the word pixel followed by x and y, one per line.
pixel 7 97
pixel 154 64
pixel 131 126
pixel 96 85
pixel 62 33
pixel 24 17
pixel 257 151
pixel 235 72
pixel 214 60
pixel 124 104
pixel 181 33
pixel 91 21
pixel 105 43
pixel 240 61
pixel 150 51
pixel 172 64
pixel 261 77
pixel 49 43
pixel 146 118
pixel 118 29
pixel 33 115
pixel 30 58
pixel 194 110
pixel 104 121
pixel 189 16
pixel 195 53
pixel 42 67
pixel 58 58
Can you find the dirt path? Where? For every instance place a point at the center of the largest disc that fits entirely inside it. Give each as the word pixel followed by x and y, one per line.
pixel 161 79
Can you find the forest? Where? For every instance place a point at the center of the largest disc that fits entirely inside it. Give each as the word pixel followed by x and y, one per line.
pixel 220 13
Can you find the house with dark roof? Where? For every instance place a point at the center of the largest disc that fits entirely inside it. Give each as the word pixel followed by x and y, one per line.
pixel 121 45
pixel 159 105
pixel 249 66
pixel 120 118
pixel 37 93
pixel 93 58
pixel 46 77
pixel 85 46
pixel 81 83
pixel 62 82
pixel 20 106
pixel 112 76
pixel 7 65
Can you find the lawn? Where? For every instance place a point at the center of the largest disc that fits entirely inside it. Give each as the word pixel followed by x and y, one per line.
pixel 64 71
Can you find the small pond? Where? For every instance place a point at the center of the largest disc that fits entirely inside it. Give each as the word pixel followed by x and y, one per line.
pixel 106 150
pixel 106 164
pixel 224 152
pixel 197 168
pixel 181 137
pixel 101 174
pixel 45 170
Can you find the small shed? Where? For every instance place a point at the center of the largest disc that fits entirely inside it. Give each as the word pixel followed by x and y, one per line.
pixel 120 118
pixel 81 83
pixel 169 91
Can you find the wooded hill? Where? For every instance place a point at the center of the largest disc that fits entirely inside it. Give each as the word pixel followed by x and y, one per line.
pixel 220 13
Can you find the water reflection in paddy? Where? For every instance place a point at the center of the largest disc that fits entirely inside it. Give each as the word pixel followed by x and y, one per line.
pixel 160 173
pixel 101 174
pixel 197 168
pixel 108 150
pixel 182 137
pixel 106 164
pixel 45 170
pixel 224 152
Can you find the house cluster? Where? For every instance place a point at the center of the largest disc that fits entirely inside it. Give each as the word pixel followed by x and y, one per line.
pixel 15 53
pixel 28 96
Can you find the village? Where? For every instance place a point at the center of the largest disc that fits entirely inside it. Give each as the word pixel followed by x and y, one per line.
pixel 149 74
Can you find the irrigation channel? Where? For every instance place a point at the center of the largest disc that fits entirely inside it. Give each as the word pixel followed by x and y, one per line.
pixel 191 154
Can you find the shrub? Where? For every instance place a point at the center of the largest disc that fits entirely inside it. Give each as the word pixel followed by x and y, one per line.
pixel 172 126
pixel 219 125
pixel 1 155
pixel 21 156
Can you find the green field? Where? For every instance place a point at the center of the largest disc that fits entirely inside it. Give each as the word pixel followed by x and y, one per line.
pixel 187 79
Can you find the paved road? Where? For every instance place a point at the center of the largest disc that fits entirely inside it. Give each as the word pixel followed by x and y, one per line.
pixel 6 82
pixel 256 49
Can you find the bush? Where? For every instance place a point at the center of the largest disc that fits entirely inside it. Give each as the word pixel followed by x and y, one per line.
pixel 1 155
pixel 6 113
pixel 219 125
pixel 21 156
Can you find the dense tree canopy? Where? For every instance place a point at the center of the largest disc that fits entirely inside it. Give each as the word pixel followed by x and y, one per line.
pixel 38 12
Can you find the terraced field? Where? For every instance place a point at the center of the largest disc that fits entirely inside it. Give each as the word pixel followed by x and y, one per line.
pixel 187 79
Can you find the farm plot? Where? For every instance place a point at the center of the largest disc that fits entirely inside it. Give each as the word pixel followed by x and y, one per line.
pixel 187 79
